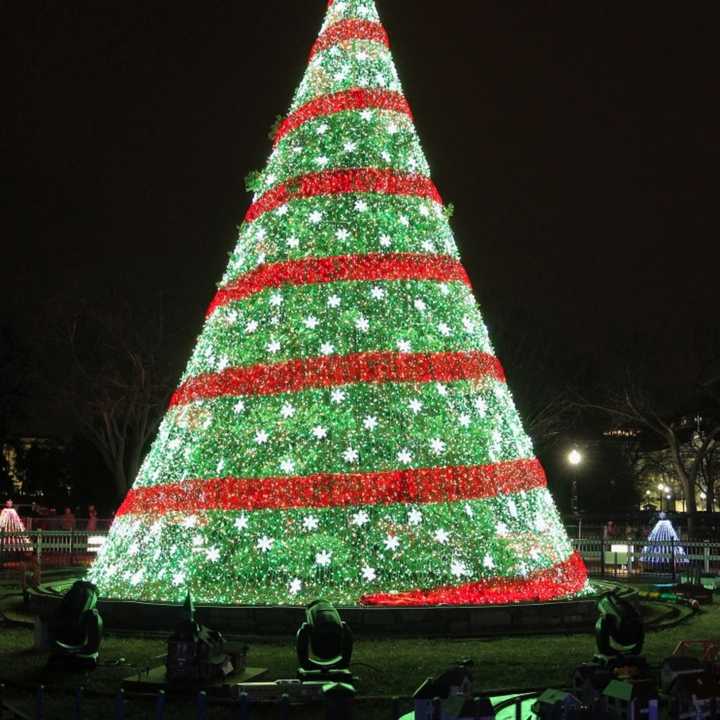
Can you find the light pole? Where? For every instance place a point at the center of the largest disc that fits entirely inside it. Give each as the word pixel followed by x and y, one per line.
pixel 666 492
pixel 575 459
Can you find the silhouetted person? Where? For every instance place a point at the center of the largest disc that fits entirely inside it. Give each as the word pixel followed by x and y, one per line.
pixel 92 518
pixel 68 519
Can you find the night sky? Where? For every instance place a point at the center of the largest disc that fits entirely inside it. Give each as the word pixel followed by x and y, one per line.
pixel 578 142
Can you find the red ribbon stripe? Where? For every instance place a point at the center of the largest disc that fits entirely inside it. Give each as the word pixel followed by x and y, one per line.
pixel 355 99
pixel 560 580
pixel 418 485
pixel 333 370
pixel 339 182
pixel 372 267
pixel 347 30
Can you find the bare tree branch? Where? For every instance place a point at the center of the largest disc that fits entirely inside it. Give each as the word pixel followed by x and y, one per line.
pixel 113 382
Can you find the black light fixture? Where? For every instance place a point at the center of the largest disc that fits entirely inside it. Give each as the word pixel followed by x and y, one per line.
pixel 76 629
pixel 324 645
pixel 619 629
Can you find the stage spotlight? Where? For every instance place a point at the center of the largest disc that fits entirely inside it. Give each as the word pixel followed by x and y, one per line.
pixel 76 630
pixel 324 645
pixel 619 629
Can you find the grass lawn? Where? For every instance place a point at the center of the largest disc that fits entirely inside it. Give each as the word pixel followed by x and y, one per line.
pixel 387 668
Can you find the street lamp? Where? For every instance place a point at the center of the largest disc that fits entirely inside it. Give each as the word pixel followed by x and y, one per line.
pixel 666 493
pixel 575 458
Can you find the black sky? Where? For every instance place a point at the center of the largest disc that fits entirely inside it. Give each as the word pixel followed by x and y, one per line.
pixel 578 142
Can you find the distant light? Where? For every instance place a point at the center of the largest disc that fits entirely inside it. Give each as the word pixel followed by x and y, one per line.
pixel 668 496
pixel 647 492
pixel 703 495
pixel 575 457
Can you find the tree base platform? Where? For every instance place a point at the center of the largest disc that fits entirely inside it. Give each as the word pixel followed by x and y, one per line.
pixel 558 616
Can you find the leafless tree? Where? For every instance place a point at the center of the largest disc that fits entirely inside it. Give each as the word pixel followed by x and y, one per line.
pixel 709 475
pixel 542 376
pixel 115 382
pixel 653 404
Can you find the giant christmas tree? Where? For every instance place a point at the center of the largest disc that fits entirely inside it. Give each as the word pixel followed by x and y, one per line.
pixel 343 428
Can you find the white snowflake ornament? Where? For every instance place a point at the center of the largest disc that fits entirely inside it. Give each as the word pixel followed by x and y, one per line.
pixel 369 574
pixel 441 536
pixel 337 396
pixel 310 523
pixel 458 568
pixel 392 542
pixel 370 422
pixel 362 324
pixel 350 455
pixel 404 456
pixel 437 446
pixel 319 432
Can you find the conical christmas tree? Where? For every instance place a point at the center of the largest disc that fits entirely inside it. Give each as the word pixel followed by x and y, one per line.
pixel 343 428
pixel 663 548
pixel 12 531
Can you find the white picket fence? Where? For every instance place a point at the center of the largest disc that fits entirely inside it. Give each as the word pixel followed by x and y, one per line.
pixel 639 556
pixel 46 548
pixel 617 558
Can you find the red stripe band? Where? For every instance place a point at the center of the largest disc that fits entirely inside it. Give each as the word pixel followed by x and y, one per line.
pixel 338 182
pixel 356 99
pixel 561 580
pixel 350 30
pixel 334 370
pixel 372 267
pixel 424 485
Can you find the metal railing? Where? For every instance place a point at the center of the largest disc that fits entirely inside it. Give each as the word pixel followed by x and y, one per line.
pixel 627 558
pixel 38 550
pixel 603 557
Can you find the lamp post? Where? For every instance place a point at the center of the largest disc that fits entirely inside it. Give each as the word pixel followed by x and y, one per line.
pixel 575 459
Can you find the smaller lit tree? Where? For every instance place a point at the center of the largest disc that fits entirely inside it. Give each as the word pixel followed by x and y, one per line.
pixel 663 549
pixel 12 530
